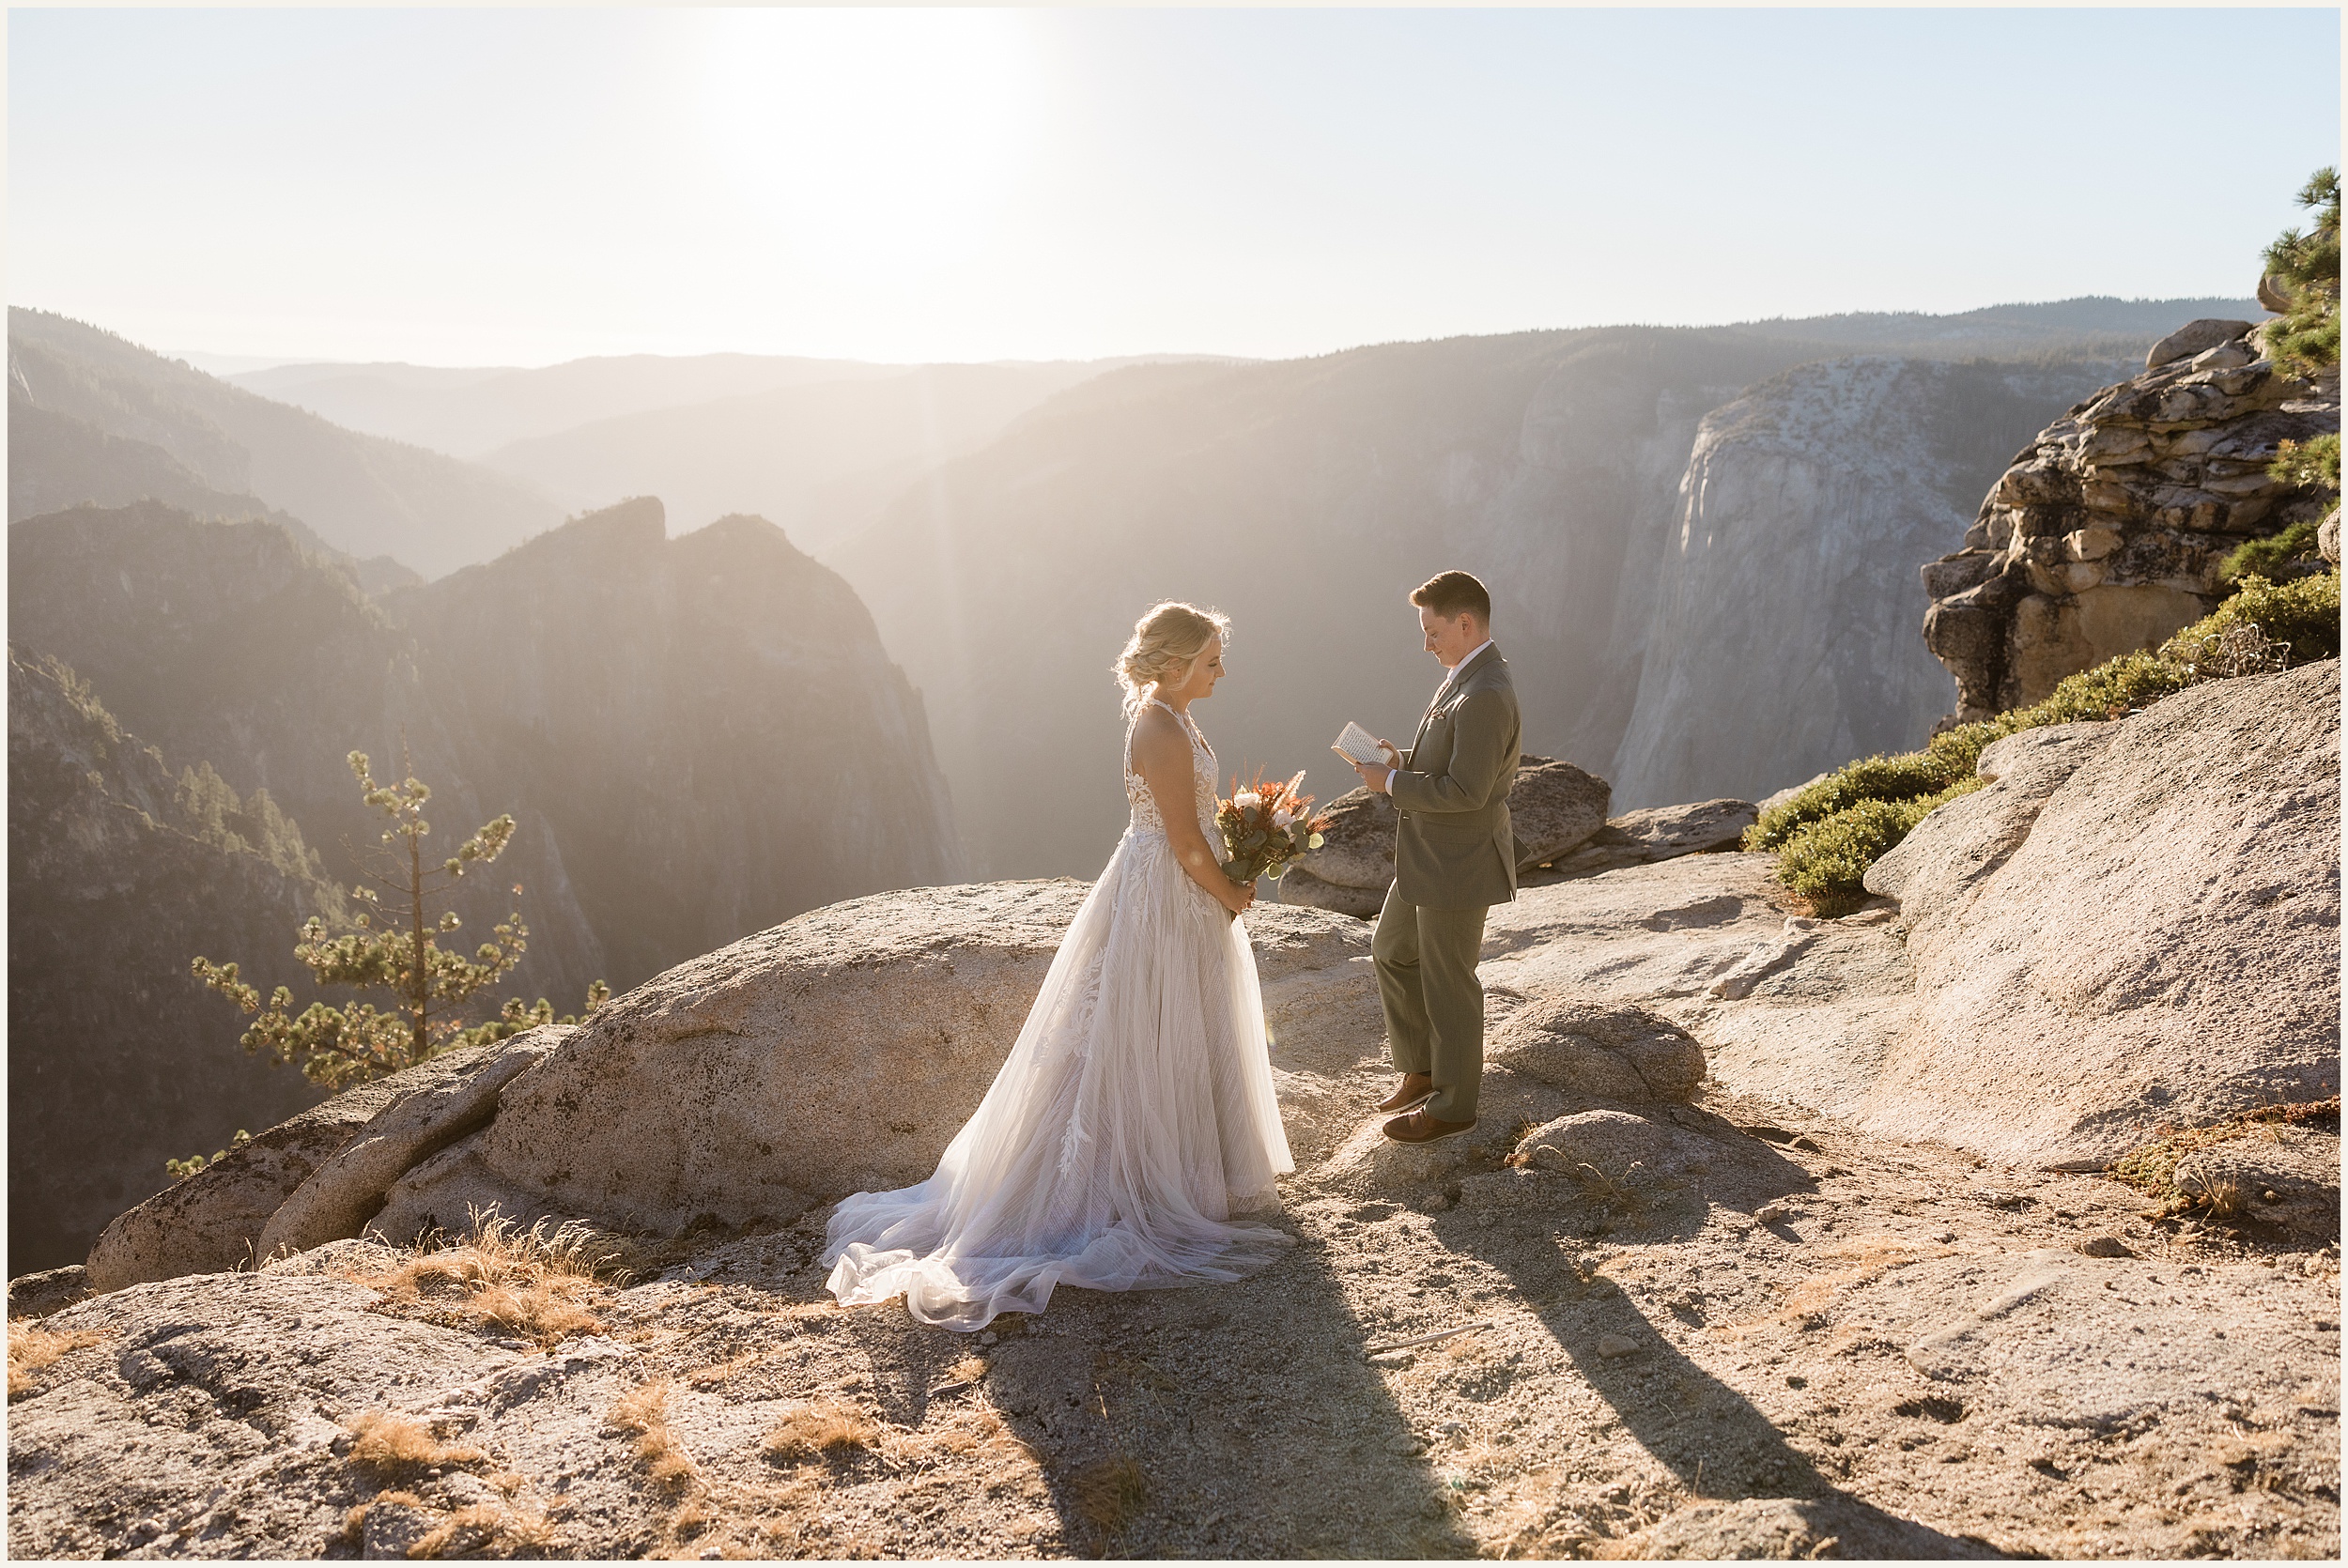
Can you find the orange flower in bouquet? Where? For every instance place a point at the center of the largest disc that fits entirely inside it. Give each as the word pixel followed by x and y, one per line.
pixel 1266 827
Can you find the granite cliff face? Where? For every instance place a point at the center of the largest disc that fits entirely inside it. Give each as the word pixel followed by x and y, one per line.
pixel 708 726
pixel 1549 464
pixel 698 737
pixel 2105 535
pixel 1779 637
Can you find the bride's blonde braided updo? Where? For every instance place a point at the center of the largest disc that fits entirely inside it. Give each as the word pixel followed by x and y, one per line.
pixel 1164 642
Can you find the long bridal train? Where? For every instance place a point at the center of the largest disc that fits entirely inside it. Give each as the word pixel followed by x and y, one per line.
pixel 1133 1120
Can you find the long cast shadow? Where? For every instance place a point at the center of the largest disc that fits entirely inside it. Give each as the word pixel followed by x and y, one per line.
pixel 1236 1420
pixel 1708 1434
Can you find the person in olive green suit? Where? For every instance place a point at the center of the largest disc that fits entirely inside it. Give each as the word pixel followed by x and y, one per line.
pixel 1454 858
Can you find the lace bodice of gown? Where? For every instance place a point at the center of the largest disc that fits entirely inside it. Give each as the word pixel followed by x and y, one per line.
pixel 1202 764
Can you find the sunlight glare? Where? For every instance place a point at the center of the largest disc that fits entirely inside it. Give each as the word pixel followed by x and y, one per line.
pixel 869 138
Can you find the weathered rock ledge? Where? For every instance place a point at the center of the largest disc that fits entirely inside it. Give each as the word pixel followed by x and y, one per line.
pixel 2105 535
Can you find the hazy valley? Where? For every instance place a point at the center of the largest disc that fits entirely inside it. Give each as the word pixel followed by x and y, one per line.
pixel 703 735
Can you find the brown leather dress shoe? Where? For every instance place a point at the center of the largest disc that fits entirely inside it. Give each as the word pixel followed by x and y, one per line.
pixel 1420 1128
pixel 1416 1089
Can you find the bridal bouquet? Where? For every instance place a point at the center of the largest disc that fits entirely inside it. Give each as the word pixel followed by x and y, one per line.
pixel 1266 827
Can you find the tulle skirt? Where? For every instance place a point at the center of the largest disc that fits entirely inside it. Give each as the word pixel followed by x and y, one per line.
pixel 1133 1119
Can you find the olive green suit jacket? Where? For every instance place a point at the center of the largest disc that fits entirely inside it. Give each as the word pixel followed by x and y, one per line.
pixel 1454 847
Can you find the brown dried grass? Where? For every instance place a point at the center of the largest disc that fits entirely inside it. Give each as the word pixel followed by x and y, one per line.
pixel 394 1445
pixel 2151 1167
pixel 484 1530
pixel 32 1349
pixel 819 1429
pixel 645 1415
pixel 542 1284
pixel 1109 1492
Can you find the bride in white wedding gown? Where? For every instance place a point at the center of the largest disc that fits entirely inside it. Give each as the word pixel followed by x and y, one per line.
pixel 1135 1116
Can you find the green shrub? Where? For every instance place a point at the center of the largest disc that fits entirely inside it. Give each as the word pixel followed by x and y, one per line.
pixel 2303 613
pixel 2266 557
pixel 1907 776
pixel 1827 861
pixel 2306 340
pixel 2308 465
pixel 1830 833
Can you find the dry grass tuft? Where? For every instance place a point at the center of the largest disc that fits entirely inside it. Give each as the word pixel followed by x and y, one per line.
pixel 968 1370
pixel 484 1529
pixel 1110 1492
pixel 644 1414
pixel 819 1428
pixel 392 1445
pixel 32 1347
pixel 541 1284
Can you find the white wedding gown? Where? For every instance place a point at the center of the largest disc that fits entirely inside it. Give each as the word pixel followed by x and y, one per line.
pixel 1134 1118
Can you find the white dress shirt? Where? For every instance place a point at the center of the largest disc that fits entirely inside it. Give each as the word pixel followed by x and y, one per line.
pixel 1449 675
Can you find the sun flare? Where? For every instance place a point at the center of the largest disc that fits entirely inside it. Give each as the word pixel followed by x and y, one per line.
pixel 859 137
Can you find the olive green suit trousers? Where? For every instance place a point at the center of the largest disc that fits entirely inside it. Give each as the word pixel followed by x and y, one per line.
pixel 1455 857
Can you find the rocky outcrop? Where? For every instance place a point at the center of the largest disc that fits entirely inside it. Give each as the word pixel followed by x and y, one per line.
pixel 834 1053
pixel 1553 807
pixel 436 1104
pixel 1659 833
pixel 2137 916
pixel 2138 923
pixel 212 1221
pixel 2106 533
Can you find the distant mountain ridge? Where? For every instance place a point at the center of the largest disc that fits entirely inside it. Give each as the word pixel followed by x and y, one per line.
pixel 116 863
pixel 363 495
pixel 470 412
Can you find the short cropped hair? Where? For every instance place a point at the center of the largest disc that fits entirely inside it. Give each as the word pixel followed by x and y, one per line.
pixel 1452 594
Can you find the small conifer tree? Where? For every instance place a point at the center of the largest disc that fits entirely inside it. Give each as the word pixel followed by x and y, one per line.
pixel 395 951
pixel 2305 268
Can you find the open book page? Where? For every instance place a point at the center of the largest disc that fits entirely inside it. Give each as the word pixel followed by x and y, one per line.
pixel 1357 745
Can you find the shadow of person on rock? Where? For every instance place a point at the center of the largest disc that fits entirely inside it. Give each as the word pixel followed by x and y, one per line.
pixel 1234 1421
pixel 1703 1431
pixel 1219 1420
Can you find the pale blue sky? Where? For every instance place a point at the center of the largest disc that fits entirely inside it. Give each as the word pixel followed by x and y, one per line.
pixel 520 187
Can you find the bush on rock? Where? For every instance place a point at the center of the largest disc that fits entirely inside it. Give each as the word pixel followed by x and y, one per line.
pixel 1828 833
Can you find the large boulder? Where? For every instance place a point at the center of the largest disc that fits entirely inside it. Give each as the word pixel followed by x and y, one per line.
pixel 1553 807
pixel 836 1053
pixel 216 1218
pixel 2137 923
pixel 1301 888
pixel 211 1220
pixel 340 1196
pixel 1659 833
pixel 2193 338
pixel 2107 534
pixel 1603 1050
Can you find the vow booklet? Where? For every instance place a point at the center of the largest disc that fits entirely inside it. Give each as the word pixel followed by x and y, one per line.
pixel 1357 745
